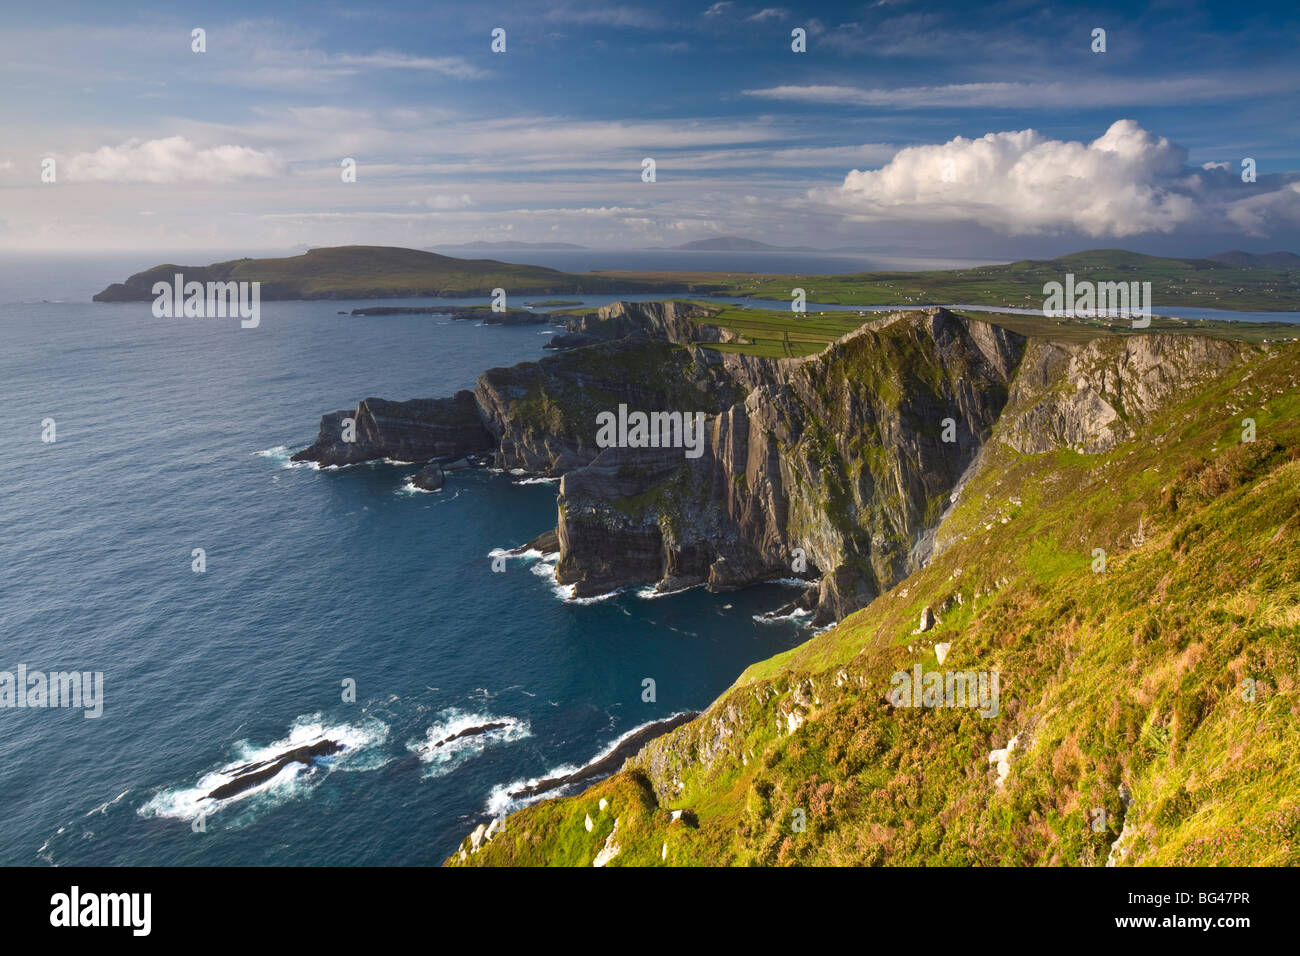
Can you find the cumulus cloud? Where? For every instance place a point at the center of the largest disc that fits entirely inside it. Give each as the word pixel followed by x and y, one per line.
pixel 174 159
pixel 769 13
pixel 1126 182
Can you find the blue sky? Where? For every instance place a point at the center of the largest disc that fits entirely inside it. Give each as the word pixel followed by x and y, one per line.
pixel 977 130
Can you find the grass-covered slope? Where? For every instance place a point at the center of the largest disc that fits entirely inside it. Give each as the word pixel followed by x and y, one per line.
pixel 1162 690
pixel 365 272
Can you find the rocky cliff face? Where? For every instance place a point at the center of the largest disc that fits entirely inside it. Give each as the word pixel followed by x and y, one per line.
pixel 1091 397
pixel 832 467
pixel 417 430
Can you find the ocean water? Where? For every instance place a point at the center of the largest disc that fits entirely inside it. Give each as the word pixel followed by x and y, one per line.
pixel 174 435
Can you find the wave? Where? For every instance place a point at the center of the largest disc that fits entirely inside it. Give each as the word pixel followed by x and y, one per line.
pixel 544 567
pixel 539 480
pixel 281 455
pixel 771 618
pixel 103 807
pixel 506 798
pixel 410 488
pixel 360 743
pixel 443 748
pixel 650 592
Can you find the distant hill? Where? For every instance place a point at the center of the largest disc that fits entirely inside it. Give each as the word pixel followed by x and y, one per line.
pixel 737 244
pixel 374 272
pixel 1200 283
pixel 1258 260
pixel 470 246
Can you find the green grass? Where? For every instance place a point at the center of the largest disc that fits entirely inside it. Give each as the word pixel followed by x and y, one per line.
pixel 1133 676
pixel 1174 283
pixel 764 332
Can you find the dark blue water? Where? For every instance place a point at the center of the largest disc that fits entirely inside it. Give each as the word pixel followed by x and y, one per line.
pixel 172 435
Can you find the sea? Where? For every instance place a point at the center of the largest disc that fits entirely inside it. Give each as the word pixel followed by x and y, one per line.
pixel 238 605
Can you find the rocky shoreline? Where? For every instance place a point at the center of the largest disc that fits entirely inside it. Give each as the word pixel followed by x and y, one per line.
pixel 832 468
pixel 485 315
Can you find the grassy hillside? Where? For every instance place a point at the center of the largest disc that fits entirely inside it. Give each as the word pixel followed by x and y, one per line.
pixel 1174 282
pixel 1154 703
pixel 357 272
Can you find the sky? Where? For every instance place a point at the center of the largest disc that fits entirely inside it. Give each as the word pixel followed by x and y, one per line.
pixel 967 130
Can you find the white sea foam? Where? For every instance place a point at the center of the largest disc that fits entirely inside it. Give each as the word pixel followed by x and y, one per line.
pixel 539 480
pixel 281 454
pixel 441 759
pixel 544 567
pixel 777 619
pixel 410 488
pixel 360 742
pixel 103 807
pixel 651 591
pixel 499 801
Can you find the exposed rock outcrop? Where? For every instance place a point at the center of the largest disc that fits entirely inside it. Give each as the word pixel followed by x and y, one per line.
pixel 416 430
pixel 253 774
pixel 1090 397
pixel 836 466
pixel 428 478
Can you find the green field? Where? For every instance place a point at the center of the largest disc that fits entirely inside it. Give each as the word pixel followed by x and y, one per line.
pixel 1174 282
pixel 764 331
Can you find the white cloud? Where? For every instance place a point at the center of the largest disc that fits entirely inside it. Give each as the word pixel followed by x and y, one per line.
pixel 718 8
pixel 174 159
pixel 612 16
pixel 445 201
pixel 453 66
pixel 769 13
pixel 1032 95
pixel 1126 182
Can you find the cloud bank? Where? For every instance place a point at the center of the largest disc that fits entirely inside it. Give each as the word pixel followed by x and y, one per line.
pixel 1126 182
pixel 174 159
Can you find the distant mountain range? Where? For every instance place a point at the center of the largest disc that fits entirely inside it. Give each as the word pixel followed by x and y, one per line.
pixel 474 246
pixel 1232 280
pixel 1258 260
pixel 1246 260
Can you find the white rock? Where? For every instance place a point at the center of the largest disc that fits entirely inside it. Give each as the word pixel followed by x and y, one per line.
pixel 476 837
pixel 587 823
pixel 793 721
pixel 1002 757
pixel 610 849
pixel 941 651
pixel 664 854
pixel 603 803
